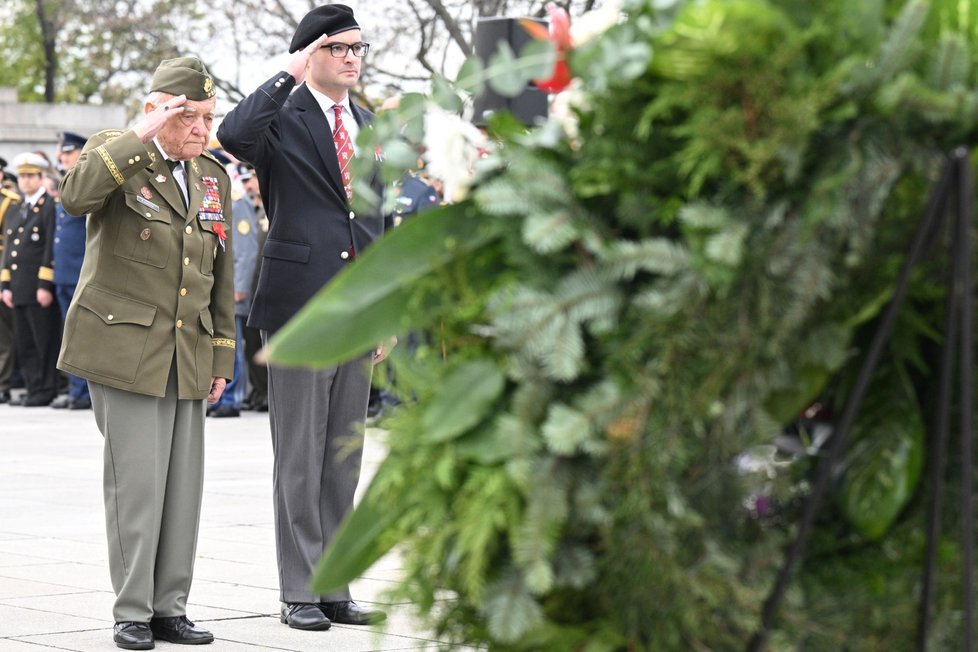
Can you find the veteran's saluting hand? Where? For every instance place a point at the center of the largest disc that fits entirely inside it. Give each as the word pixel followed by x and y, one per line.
pixel 152 121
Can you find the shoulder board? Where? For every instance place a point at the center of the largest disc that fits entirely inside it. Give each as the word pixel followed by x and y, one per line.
pixel 10 193
pixel 109 134
pixel 213 159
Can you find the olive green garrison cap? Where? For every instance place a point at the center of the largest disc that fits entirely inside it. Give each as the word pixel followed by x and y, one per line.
pixel 184 76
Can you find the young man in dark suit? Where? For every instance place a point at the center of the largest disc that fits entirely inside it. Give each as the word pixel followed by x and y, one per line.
pixel 300 144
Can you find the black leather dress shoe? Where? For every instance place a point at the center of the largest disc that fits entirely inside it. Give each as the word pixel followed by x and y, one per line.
pixel 350 613
pixel 133 636
pixel 303 615
pixel 38 399
pixel 179 629
pixel 4 396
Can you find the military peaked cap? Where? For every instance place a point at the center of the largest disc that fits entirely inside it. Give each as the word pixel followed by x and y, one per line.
pixel 328 19
pixel 70 141
pixel 30 163
pixel 184 76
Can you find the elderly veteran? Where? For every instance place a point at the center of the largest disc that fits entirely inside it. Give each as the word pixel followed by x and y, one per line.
pixel 151 326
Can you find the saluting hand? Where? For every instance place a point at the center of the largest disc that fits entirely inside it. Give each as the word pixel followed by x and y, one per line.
pixel 297 66
pixel 154 119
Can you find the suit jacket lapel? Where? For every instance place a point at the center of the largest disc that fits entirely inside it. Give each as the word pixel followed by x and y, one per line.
pixel 312 115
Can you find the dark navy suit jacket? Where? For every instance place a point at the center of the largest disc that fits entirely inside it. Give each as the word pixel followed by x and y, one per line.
pixel 312 232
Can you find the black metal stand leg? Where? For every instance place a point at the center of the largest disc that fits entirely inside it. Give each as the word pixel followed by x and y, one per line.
pixel 933 217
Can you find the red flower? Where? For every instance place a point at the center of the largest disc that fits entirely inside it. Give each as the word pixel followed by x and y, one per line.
pixel 559 33
pixel 219 230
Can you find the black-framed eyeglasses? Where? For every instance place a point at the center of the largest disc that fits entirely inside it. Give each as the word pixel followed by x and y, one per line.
pixel 339 50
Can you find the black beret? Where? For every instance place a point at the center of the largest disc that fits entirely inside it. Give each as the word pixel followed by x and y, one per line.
pixel 328 19
pixel 184 76
pixel 70 141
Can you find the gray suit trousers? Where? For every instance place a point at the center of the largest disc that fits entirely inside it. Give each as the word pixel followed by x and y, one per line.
pixel 317 421
pixel 153 482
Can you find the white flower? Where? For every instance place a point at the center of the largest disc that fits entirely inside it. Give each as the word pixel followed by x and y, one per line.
pixel 563 105
pixel 594 23
pixel 452 146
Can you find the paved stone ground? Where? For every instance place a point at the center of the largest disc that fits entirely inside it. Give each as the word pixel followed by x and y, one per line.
pixel 54 580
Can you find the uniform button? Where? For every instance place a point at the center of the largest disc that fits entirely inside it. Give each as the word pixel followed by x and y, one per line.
pixel 13 253
pixel 145 234
pixel 137 158
pixel 149 215
pixel 277 84
pixel 186 261
pixel 17 241
pixel 281 79
pixel 189 230
pixel 14 267
pixel 352 215
pixel 179 323
pixel 131 161
pixel 110 317
pixel 20 230
pixel 57 240
pixel 183 292
pixel 345 255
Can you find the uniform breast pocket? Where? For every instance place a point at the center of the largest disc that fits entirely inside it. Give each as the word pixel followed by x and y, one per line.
pixel 211 244
pixel 144 233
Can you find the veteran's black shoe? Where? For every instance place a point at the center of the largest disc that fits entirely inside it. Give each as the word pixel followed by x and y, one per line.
pixel 350 613
pixel 179 629
pixel 4 397
pixel 133 636
pixel 303 615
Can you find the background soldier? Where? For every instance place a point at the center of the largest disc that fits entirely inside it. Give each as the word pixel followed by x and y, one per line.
pixel 69 252
pixel 27 282
pixel 152 329
pixel 9 201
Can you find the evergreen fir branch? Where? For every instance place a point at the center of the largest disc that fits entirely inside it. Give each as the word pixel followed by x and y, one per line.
pixel 625 258
pixel 549 232
pixel 511 612
pixel 902 46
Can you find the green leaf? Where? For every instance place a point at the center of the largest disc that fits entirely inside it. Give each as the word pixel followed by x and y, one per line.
pixel 463 399
pixel 510 609
pixel 883 468
pixel 444 95
pixel 538 59
pixel 411 112
pixel 504 75
pixel 359 543
pixel 470 77
pixel 365 303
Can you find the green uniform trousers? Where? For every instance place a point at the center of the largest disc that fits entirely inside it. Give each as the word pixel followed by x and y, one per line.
pixel 153 481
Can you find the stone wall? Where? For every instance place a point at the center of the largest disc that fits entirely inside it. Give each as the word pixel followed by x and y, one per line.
pixel 35 126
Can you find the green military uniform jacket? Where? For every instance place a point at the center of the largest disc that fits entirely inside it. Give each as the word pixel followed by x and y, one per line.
pixel 156 281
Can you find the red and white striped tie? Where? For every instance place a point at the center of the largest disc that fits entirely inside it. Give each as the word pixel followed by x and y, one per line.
pixel 344 151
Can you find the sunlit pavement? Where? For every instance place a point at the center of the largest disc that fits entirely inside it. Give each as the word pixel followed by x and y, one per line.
pixel 54 579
